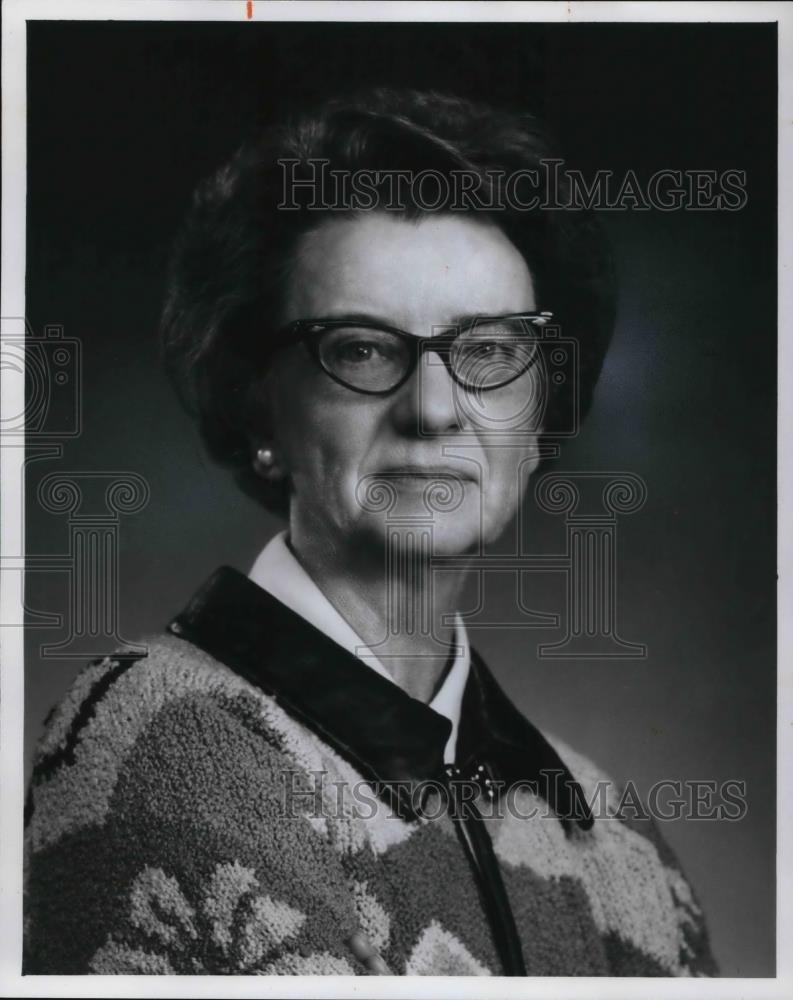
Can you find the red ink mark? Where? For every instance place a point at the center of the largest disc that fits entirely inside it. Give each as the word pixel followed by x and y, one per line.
pixel 249 9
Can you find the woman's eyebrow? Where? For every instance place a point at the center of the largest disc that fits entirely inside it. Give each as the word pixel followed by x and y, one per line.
pixel 356 316
pixel 468 318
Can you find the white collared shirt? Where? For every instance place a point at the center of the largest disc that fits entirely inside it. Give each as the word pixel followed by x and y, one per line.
pixel 277 571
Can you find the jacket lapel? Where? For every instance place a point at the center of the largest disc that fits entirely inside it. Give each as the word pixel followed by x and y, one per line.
pixel 394 740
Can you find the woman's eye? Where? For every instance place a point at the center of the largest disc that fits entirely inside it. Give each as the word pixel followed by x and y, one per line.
pixel 360 348
pixel 495 348
pixel 357 351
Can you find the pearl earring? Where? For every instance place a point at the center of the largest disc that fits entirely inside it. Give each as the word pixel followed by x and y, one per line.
pixel 265 458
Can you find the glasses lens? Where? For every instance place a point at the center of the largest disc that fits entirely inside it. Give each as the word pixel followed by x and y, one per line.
pixel 364 358
pixel 492 353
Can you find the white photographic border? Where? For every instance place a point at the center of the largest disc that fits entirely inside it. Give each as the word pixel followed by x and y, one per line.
pixel 15 13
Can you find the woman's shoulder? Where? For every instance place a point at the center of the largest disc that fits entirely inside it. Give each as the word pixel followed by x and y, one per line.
pixel 646 900
pixel 164 794
pixel 168 721
pixel 117 695
pixel 614 797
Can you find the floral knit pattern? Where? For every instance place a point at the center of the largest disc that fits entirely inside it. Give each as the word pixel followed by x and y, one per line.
pixel 178 825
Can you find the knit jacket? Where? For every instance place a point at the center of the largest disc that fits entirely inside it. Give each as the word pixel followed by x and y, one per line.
pixel 248 795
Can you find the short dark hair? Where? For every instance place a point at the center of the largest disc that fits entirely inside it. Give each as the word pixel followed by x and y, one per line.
pixel 233 255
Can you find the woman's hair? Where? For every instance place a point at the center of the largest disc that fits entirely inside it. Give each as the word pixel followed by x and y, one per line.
pixel 233 256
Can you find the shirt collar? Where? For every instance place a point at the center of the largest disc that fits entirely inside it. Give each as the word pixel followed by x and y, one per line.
pixel 392 739
pixel 278 571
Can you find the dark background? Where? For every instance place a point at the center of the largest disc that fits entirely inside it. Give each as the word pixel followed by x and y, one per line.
pixel 124 118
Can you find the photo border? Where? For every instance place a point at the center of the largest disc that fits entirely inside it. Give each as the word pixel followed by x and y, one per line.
pixel 12 304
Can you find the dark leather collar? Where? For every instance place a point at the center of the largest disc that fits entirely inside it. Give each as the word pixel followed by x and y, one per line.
pixel 394 740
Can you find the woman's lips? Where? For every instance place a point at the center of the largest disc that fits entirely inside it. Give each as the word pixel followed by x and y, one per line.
pixel 425 472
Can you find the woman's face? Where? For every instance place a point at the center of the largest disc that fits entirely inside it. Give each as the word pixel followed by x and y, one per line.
pixel 336 444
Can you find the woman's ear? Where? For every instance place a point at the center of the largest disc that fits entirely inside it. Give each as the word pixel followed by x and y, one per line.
pixel 266 462
pixel 260 431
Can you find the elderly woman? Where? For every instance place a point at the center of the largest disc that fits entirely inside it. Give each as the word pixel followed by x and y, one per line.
pixel 313 771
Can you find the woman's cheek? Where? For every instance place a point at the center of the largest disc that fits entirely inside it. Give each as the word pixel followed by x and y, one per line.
pixel 503 489
pixel 335 476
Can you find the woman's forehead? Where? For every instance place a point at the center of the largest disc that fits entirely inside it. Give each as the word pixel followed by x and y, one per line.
pixel 408 271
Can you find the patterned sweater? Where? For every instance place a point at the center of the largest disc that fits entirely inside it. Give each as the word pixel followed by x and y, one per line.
pixel 248 795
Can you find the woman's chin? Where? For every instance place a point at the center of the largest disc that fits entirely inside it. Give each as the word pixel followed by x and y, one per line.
pixel 445 518
pixel 455 537
pixel 448 534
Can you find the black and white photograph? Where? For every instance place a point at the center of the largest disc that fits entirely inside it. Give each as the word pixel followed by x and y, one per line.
pixel 392 509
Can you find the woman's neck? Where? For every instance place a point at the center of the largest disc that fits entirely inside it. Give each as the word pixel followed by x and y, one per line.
pixel 401 610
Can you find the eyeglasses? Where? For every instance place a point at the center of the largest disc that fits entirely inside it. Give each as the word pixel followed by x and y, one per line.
pixel 485 353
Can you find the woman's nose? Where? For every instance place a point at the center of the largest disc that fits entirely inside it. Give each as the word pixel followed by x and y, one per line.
pixel 428 400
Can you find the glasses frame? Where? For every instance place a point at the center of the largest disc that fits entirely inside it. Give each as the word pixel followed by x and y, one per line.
pixel 309 333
